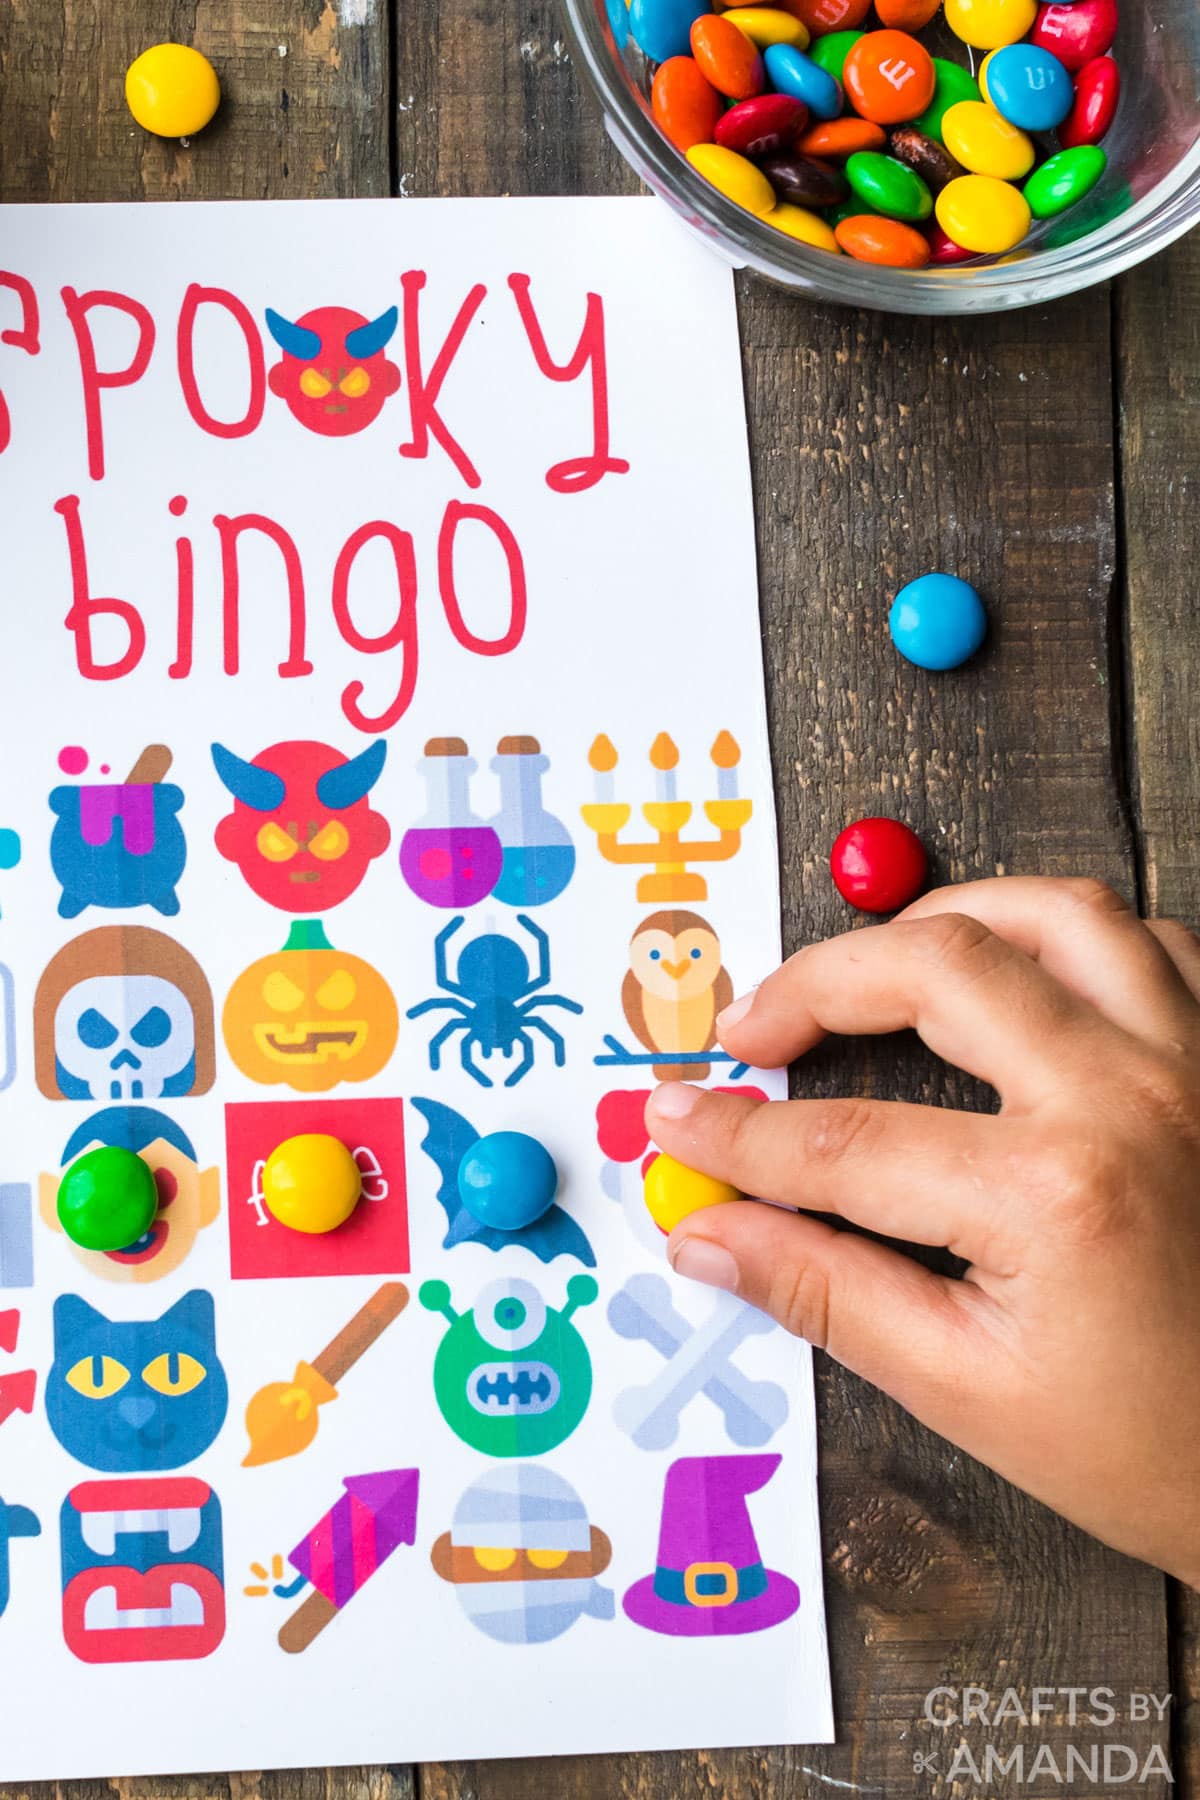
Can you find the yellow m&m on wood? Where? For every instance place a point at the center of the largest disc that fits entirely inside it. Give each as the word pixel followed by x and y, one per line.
pixel 674 1191
pixel 172 90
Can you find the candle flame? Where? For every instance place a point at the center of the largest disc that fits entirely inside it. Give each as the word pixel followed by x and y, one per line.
pixel 725 751
pixel 663 753
pixel 602 756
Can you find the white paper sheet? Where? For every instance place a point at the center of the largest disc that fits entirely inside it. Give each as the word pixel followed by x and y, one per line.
pixel 639 618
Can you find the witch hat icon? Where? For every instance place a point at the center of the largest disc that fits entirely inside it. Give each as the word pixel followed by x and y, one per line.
pixel 710 1580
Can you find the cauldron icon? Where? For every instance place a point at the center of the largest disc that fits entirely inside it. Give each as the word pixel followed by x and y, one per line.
pixel 120 843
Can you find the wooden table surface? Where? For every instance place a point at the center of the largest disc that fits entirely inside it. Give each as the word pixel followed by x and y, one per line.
pixel 1051 456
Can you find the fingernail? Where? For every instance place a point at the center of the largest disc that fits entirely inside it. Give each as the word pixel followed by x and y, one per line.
pixel 673 1099
pixel 701 1260
pixel 735 1012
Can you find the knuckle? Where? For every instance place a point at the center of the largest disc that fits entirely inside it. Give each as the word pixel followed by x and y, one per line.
pixel 838 1130
pixel 742 1128
pixel 1087 893
pixel 1165 1096
pixel 1081 1184
pixel 798 1297
pixel 953 942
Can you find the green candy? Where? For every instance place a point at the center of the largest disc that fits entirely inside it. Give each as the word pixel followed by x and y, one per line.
pixel 107 1199
pixel 954 83
pixel 1063 179
pixel 830 52
pixel 888 186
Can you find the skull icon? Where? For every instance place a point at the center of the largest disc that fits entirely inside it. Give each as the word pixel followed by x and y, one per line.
pixel 123 1014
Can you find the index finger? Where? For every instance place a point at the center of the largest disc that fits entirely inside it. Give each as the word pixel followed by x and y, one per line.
pixel 927 1174
pixel 975 999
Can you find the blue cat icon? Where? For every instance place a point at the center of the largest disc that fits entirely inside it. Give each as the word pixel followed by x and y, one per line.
pixel 131 1395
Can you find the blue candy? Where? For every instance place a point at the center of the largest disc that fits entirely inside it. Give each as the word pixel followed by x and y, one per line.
pixel 663 28
pixel 507 1180
pixel 791 72
pixel 937 621
pixel 1029 87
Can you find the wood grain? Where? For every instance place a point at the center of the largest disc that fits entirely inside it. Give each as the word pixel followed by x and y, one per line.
pixel 881 448
pixel 1158 326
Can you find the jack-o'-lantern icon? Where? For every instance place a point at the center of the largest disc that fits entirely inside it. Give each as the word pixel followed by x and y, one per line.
pixel 310 1016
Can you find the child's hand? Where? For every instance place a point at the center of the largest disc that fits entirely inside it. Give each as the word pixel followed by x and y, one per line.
pixel 1068 1358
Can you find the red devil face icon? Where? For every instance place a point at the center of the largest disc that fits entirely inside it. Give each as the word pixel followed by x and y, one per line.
pixel 334 375
pixel 301 830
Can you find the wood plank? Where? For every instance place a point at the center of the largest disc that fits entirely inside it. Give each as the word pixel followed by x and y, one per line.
pixel 1158 342
pixel 304 102
pixel 1158 316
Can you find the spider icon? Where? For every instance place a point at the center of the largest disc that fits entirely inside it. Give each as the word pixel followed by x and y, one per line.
pixel 496 999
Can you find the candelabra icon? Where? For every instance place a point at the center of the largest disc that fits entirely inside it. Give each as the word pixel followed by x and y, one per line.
pixel 669 879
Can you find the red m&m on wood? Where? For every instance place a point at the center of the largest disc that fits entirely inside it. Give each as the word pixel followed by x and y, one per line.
pixel 878 865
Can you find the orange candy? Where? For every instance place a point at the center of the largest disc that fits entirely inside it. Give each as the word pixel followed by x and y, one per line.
pixel 889 77
pixel 836 139
pixel 823 16
pixel 871 239
pixel 685 107
pixel 906 15
pixel 726 57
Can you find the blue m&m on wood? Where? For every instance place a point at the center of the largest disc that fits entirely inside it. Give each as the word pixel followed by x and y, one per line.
pixel 507 1180
pixel 937 621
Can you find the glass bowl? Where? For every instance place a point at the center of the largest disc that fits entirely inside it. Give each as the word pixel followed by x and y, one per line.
pixel 1149 195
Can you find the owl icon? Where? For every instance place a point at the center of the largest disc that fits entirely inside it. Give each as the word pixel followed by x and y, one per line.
pixel 675 987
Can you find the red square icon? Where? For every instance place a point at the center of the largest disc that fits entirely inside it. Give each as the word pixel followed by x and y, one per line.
pixel 374 1239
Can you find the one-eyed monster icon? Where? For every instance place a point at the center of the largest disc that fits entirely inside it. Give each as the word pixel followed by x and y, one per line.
pixel 512 1377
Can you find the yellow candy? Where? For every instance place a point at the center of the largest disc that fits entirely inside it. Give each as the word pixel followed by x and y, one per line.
pixel 765 25
pixel 735 176
pixel 983 214
pixel 990 24
pixel 311 1183
pixel 985 143
pixel 172 91
pixel 673 1191
pixel 809 227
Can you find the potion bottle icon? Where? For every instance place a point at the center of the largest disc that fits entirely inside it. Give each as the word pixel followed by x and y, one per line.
pixel 450 858
pixel 539 857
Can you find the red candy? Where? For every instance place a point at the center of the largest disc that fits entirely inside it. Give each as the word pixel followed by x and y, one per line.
pixel 1075 32
pixel 1097 91
pixel 762 126
pixel 822 16
pixel 943 249
pixel 878 865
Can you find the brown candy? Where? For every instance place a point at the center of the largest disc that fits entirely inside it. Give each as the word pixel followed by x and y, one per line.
pixel 804 180
pixel 930 160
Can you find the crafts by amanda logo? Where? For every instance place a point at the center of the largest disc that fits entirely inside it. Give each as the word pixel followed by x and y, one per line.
pixel 1043 1738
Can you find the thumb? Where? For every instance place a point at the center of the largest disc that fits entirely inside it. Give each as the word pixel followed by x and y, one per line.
pixel 913 1333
